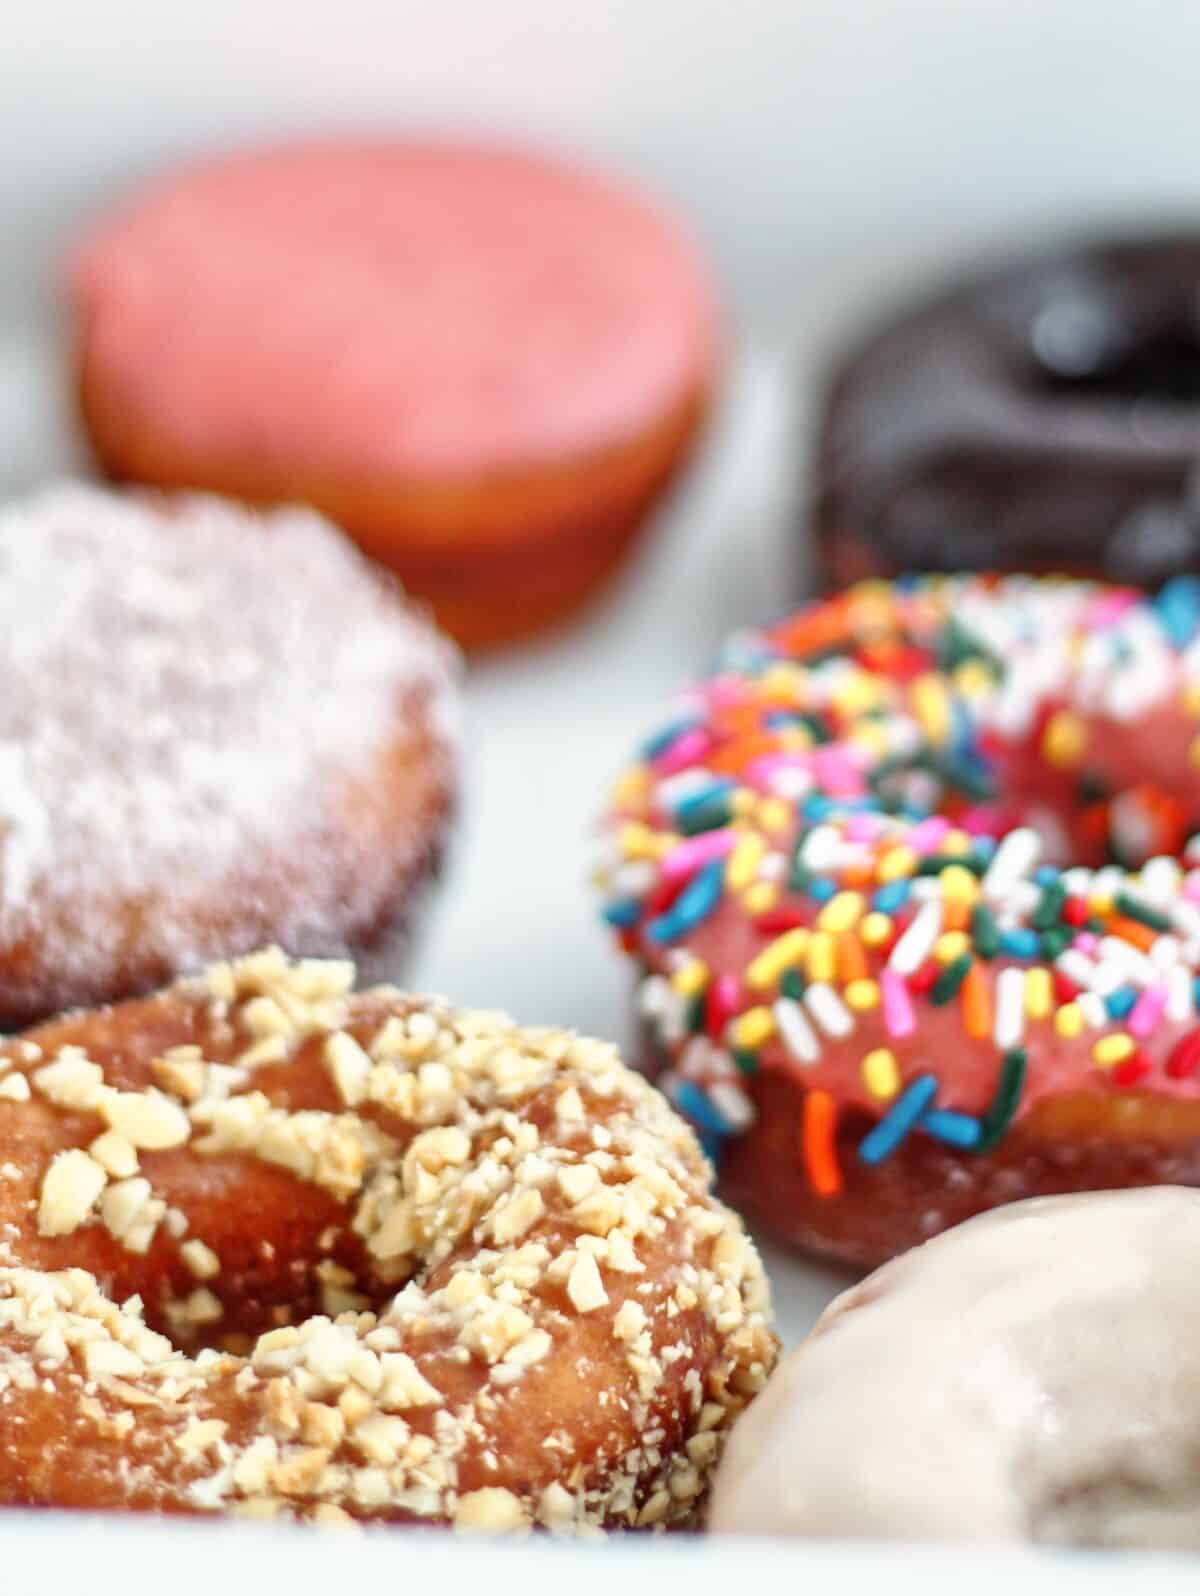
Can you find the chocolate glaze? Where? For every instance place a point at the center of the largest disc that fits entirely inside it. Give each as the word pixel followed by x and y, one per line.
pixel 1045 416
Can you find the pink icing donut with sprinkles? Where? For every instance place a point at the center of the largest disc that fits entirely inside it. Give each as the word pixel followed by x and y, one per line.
pixel 912 885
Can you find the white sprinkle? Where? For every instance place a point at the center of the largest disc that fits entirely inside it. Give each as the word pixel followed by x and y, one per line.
pixel 827 1008
pixel 915 946
pixel 1014 860
pixel 733 1103
pixel 1009 1025
pixel 1180 996
pixel 798 1035
pixel 1092 1008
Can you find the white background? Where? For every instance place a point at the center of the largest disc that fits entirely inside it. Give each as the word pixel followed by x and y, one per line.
pixel 826 151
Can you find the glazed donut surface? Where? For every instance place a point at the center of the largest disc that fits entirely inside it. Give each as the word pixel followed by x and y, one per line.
pixel 469 1274
pixel 1044 416
pixel 216 729
pixel 888 967
pixel 1031 1375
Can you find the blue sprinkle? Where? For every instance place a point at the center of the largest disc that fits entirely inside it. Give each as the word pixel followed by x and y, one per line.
pixel 899 1120
pixel 700 1109
pixel 1022 943
pixel 706 795
pixel 959 1130
pixel 1045 875
pixel 1178 607
pixel 782 717
pixel 694 904
pixel 822 889
pixel 662 740
pixel 892 896
pixel 817 806
pixel 1120 1002
pixel 983 847
pixel 621 912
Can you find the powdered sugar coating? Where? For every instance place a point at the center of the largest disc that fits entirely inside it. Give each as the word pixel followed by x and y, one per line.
pixel 194 696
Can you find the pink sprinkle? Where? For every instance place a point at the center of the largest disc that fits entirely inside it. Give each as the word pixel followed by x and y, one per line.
pixel 1191 886
pixel 759 771
pixel 724 1001
pixel 689 748
pixel 1087 942
pixel 864 826
pixel 1147 1011
pixel 687 857
pixel 1107 608
pixel 836 773
pixel 981 821
pixel 898 1017
pixel 927 835
pixel 724 690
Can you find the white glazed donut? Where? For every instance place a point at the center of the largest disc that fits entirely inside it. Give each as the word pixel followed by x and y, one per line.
pixel 1033 1375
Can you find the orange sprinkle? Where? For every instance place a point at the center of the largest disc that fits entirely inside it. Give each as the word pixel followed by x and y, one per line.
pixel 858 875
pixel 1132 931
pixel 955 915
pixel 977 1003
pixel 820 1152
pixel 814 630
pixel 851 961
pixel 733 757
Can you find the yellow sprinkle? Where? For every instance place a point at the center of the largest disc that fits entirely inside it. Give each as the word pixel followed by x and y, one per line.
pixel 742 803
pixel 958 884
pixel 643 842
pixel 872 607
pixel 956 842
pixel 753 1028
pixel 1039 993
pixel 1100 905
pixel 857 693
pixel 869 734
pixel 862 995
pixel 691 978
pixel 1110 1050
pixel 760 896
pixel 821 963
pixel 775 814
pixel 880 1073
pixel 841 913
pixel 931 707
pixel 744 861
pixel 950 945
pixel 794 739
pixel 1064 739
pixel 1068 1021
pixel 973 679
pixel 631 788
pixel 783 680
pixel 875 929
pixel 1190 698
pixel 895 863
pixel 764 970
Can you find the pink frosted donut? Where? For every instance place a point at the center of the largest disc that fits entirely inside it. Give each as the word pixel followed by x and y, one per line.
pixel 461 354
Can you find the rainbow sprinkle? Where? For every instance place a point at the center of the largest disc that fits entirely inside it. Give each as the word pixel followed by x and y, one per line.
pixel 837 803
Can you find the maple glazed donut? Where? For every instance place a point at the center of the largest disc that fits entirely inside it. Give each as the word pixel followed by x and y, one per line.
pixel 472 1273
pixel 889 966
pixel 1029 1376
pixel 483 364
pixel 216 729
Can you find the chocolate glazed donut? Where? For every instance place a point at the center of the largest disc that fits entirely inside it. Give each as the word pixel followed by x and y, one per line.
pixel 1042 417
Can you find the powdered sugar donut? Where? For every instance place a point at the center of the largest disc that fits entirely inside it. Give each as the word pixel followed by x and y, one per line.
pixel 216 728
pixel 271 1247
pixel 889 965
pixel 481 363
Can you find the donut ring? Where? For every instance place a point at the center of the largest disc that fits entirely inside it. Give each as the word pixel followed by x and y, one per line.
pixel 471 1274
pixel 1040 417
pixel 218 729
pixel 886 967
pixel 1030 1376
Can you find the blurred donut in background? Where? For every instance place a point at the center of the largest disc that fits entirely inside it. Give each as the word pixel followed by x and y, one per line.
pixel 1044 416
pixel 483 365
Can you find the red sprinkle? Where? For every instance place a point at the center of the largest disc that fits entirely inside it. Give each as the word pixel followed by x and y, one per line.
pixel 1074 911
pixel 779 920
pixel 1132 1069
pixel 1184 1056
pixel 1065 990
pixel 722 1001
pixel 921 980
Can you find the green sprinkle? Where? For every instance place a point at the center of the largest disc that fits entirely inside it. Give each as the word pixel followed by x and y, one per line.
pixel 745 1060
pixel 1092 789
pixel 951 978
pixel 937 862
pixel 1134 909
pixel 985 934
pixel 694 1013
pixel 800 877
pixel 792 985
pixel 1055 941
pixel 999 1115
pixel 1049 906
pixel 965 777
pixel 708 816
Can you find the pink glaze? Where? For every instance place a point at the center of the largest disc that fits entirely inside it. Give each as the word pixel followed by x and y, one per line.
pixel 418 308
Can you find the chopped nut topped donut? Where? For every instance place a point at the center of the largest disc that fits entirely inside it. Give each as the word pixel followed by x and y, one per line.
pixel 407 1264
